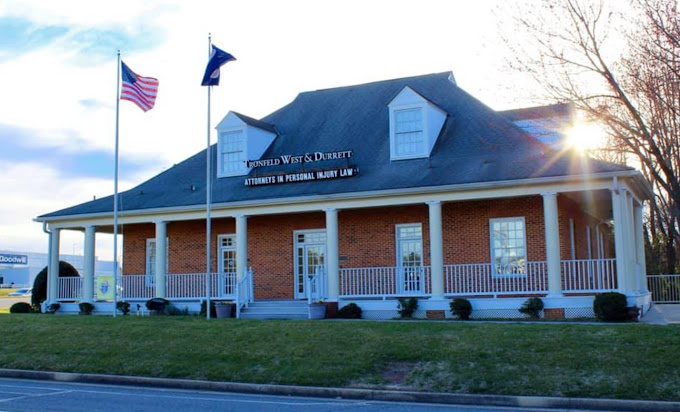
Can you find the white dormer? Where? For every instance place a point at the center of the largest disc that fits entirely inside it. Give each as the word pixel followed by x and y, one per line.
pixel 240 138
pixel 415 124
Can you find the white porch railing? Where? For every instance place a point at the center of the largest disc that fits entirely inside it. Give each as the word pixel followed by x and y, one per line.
pixel 385 281
pixel 180 286
pixel 137 287
pixel 193 285
pixel 317 285
pixel 479 279
pixel 244 291
pixel 70 288
pixel 588 275
pixel 664 288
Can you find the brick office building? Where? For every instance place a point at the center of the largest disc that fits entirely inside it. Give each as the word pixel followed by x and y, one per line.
pixel 406 187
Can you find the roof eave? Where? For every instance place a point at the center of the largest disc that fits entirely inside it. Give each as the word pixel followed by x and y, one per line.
pixel 641 184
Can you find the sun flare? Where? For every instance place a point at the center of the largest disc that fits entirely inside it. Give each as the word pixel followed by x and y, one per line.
pixel 585 136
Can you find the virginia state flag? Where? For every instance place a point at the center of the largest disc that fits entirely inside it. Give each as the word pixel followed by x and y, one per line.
pixel 218 58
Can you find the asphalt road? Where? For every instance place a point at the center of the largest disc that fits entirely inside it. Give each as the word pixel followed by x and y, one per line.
pixel 32 395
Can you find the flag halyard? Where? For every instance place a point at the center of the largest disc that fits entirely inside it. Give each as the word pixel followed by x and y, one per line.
pixel 137 89
pixel 218 58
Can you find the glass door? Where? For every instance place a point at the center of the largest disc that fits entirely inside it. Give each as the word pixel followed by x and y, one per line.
pixel 227 265
pixel 310 255
pixel 410 259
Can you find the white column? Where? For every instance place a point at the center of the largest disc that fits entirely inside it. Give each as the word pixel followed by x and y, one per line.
pixel 241 245
pixel 332 254
pixel 631 251
pixel 640 248
pixel 53 268
pixel 552 244
pixel 618 209
pixel 436 249
pixel 161 257
pixel 88 264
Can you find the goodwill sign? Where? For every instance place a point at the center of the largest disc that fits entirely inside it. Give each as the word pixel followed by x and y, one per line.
pixel 13 259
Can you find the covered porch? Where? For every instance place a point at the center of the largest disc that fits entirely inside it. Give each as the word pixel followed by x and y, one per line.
pixel 509 243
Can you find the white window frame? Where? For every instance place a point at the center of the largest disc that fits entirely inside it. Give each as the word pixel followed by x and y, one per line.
pixel 296 264
pixel 394 135
pixel 492 249
pixel 151 245
pixel 242 170
pixel 220 248
pixel 397 238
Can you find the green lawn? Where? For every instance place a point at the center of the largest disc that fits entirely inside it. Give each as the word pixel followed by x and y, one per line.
pixel 617 361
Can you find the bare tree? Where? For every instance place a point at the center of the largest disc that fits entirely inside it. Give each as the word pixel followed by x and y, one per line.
pixel 619 63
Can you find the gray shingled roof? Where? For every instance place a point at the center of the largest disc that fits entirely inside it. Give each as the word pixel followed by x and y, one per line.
pixel 256 123
pixel 538 112
pixel 476 144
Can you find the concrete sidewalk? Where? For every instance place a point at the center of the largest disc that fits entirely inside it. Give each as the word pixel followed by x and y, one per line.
pixel 663 314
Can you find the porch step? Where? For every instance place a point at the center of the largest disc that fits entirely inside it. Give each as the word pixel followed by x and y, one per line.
pixel 276 309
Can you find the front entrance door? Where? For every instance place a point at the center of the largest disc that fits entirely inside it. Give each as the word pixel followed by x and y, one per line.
pixel 310 256
pixel 227 264
pixel 410 259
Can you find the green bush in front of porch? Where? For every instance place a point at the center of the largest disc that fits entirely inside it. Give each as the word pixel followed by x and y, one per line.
pixel 604 361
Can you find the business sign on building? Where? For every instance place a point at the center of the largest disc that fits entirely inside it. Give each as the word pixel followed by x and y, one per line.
pixel 7 259
pixel 301 176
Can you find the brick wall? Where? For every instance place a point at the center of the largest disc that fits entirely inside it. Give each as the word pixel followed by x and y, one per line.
pixel 366 238
pixel 466 227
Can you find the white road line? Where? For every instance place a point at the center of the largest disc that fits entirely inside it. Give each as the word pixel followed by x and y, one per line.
pixel 15 393
pixel 34 396
pixel 216 399
pixel 28 387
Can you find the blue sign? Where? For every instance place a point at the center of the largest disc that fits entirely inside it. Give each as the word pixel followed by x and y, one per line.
pixel 13 259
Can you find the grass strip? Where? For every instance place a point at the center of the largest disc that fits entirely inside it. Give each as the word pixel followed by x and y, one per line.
pixel 601 361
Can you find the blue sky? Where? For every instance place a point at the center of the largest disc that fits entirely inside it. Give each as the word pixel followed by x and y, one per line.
pixel 58 65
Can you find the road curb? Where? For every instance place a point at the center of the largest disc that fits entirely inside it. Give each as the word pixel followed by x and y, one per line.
pixel 346 393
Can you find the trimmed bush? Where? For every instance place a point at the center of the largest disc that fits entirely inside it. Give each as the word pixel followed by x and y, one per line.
pixel 213 313
pixel 86 308
pixel 406 307
pixel 157 305
pixel 461 307
pixel 123 306
pixel 172 310
pixel 610 307
pixel 350 311
pixel 532 307
pixel 20 307
pixel 40 283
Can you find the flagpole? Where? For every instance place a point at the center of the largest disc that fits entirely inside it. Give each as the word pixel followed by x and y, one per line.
pixel 115 197
pixel 207 201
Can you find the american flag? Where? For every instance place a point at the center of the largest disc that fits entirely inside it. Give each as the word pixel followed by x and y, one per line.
pixel 137 89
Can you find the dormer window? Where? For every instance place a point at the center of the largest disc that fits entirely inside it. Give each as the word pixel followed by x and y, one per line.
pixel 232 153
pixel 408 132
pixel 415 124
pixel 241 138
